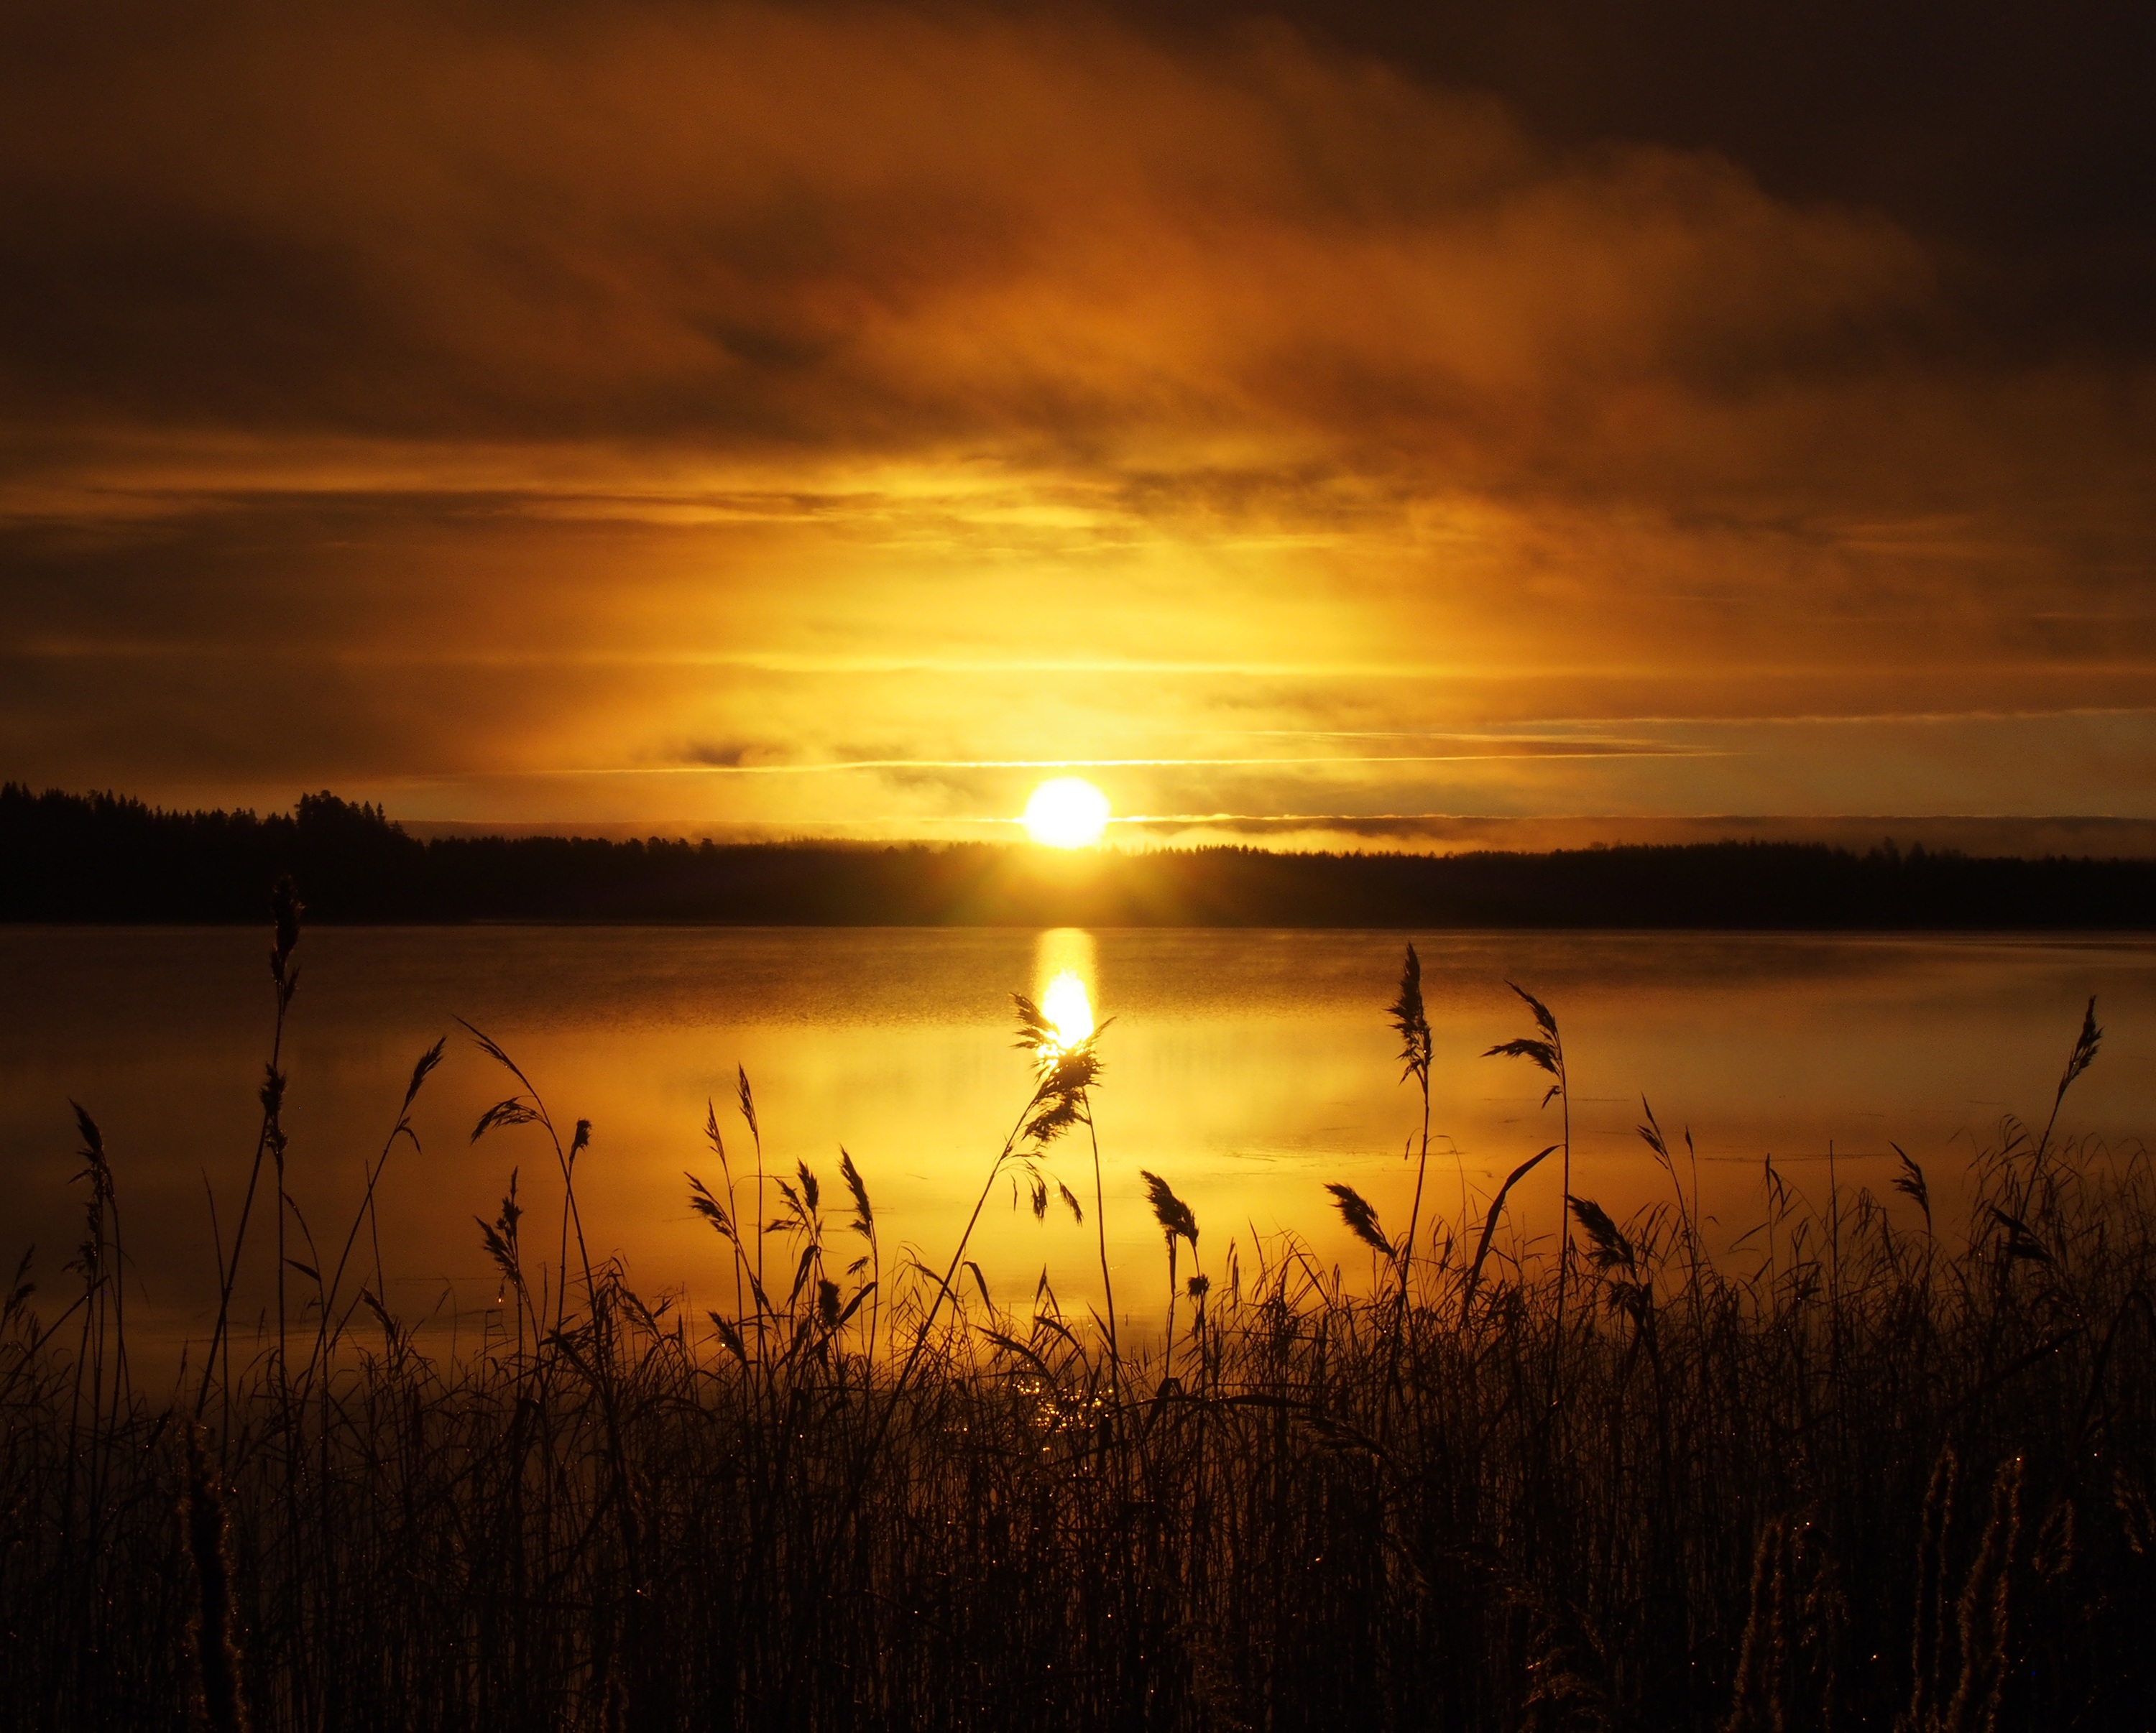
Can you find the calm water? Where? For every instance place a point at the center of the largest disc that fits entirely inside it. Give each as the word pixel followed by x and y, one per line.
pixel 1247 1067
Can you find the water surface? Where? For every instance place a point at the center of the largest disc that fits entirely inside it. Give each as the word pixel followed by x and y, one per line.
pixel 1247 1067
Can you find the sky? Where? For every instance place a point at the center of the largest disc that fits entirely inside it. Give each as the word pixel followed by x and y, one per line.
pixel 1330 425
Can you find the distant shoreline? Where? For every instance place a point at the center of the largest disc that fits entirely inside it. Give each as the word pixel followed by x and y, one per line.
pixel 2026 838
pixel 105 860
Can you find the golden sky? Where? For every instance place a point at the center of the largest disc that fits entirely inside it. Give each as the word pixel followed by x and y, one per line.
pixel 827 419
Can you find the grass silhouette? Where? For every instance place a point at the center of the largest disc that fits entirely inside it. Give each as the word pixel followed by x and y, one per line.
pixel 1849 1474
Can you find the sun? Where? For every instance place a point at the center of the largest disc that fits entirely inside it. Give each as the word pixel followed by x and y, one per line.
pixel 1066 812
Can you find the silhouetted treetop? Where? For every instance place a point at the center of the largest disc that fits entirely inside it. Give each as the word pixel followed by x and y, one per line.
pixel 107 858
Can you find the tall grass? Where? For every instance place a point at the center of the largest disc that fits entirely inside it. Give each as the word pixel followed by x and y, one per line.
pixel 1851 1474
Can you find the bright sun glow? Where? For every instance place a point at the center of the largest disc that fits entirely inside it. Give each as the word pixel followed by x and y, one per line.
pixel 1066 812
pixel 1069 1011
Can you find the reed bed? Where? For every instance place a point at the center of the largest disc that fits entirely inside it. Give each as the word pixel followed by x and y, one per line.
pixel 1853 1473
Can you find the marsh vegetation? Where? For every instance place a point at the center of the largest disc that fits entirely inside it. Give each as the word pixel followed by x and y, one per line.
pixel 1867 1468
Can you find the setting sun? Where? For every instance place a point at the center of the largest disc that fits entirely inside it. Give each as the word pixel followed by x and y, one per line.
pixel 1066 812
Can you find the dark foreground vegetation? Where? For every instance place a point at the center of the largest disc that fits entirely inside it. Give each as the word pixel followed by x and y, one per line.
pixel 1852 1474
pixel 98 858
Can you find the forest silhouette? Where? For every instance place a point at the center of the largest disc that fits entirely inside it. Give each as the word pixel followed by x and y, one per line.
pixel 107 858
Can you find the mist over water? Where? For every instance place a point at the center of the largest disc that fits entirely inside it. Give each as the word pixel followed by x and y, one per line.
pixel 1249 1068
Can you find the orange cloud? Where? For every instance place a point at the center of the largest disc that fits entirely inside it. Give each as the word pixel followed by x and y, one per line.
pixel 639 414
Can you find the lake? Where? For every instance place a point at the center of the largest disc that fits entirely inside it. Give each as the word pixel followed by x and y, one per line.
pixel 1247 1067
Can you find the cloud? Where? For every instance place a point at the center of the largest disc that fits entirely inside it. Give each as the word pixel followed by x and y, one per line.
pixel 855 232
pixel 492 405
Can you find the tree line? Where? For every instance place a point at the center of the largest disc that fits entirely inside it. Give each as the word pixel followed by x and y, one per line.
pixel 107 858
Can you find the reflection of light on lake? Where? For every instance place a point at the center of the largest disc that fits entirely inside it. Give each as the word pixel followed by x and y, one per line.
pixel 1065 970
pixel 1067 1009
pixel 1250 1069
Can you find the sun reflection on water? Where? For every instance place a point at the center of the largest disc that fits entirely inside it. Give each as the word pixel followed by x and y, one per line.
pixel 1065 969
pixel 1068 1009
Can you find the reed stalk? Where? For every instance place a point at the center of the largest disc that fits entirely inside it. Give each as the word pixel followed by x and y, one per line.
pixel 1890 1463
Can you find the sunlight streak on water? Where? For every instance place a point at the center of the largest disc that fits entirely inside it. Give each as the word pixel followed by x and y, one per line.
pixel 1066 1006
pixel 1066 969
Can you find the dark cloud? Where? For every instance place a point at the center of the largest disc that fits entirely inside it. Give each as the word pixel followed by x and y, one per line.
pixel 854 229
pixel 2020 139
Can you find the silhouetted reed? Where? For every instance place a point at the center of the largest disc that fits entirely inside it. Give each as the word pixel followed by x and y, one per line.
pixel 1851 1474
